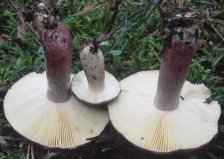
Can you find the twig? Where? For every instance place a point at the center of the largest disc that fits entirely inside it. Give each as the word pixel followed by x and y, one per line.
pixel 181 3
pixel 16 73
pixel 13 139
pixel 115 11
pixel 155 33
pixel 105 37
pixel 217 21
pixel 217 13
pixel 204 2
pixel 211 155
pixel 91 9
pixel 28 152
pixel 220 36
pixel 136 14
pixel 32 152
pixel 155 53
pixel 212 27
pixel 14 8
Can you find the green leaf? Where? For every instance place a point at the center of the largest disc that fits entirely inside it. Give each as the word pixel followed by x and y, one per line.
pixel 115 52
pixel 216 61
pixel 40 50
pixel 104 43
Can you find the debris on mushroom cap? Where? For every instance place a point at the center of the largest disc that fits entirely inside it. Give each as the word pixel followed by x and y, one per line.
pixel 94 85
pixel 54 125
pixel 134 115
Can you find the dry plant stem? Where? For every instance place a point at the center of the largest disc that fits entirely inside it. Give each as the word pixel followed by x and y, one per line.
pixel 114 9
pixel 32 152
pixel 57 45
pixel 21 18
pixel 91 9
pixel 92 60
pixel 28 152
pixel 8 138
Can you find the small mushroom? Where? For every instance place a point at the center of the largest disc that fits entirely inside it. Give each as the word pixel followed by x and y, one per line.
pixel 94 85
pixel 150 113
pixel 41 106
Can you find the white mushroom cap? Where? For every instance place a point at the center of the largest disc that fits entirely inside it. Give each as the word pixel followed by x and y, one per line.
pixel 193 124
pixel 55 125
pixel 91 95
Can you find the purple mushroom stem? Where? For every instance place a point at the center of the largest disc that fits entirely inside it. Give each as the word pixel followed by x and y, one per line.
pixel 57 44
pixel 177 53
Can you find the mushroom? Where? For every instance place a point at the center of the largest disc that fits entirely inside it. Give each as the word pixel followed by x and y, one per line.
pixel 41 107
pixel 171 116
pixel 94 85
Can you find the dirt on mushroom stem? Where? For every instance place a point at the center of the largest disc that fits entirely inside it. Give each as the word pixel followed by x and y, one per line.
pixel 43 15
pixel 92 60
pixel 181 40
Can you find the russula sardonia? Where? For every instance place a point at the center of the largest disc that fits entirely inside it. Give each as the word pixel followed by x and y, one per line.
pixel 40 106
pixel 158 110
pixel 94 85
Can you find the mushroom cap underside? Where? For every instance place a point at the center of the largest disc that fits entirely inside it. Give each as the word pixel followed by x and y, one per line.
pixel 83 92
pixel 133 114
pixel 54 125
